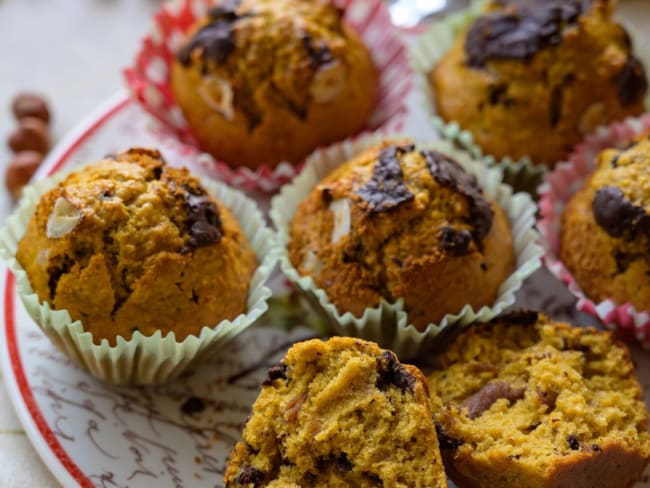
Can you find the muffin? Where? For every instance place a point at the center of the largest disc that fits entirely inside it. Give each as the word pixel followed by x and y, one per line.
pixel 339 413
pixel 399 223
pixel 527 402
pixel 130 244
pixel 605 234
pixel 264 81
pixel 530 78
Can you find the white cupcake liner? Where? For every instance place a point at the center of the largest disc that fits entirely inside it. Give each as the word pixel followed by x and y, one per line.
pixel 558 188
pixel 387 323
pixel 142 359
pixel 430 47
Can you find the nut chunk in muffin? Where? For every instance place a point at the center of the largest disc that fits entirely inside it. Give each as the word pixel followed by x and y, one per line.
pixel 265 81
pixel 527 402
pixel 530 78
pixel 398 222
pixel 605 235
pixel 339 413
pixel 130 244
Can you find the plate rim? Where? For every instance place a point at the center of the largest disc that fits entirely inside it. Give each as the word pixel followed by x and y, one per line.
pixel 41 437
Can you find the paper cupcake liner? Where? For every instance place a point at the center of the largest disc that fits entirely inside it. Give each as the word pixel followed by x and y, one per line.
pixel 428 50
pixel 387 323
pixel 148 80
pixel 558 188
pixel 142 359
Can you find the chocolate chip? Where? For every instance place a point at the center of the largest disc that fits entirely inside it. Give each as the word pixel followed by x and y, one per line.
pixel 623 261
pixel 496 93
pixel 193 405
pixel 484 267
pixel 483 399
pixel 455 242
pixel 631 82
pixel 203 221
pixel 392 373
pixel 573 442
pixel 319 55
pixel 20 170
pixel 449 173
pixel 248 475
pixel 386 189
pixel 214 41
pixel 445 442
pixel 31 135
pixel 30 105
pixel 555 109
pixel 520 30
pixel 614 161
pixel 277 372
pixel 326 195
pixel 596 448
pixel 517 317
pixel 617 215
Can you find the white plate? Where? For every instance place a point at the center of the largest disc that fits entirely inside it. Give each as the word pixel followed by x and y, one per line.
pixel 179 434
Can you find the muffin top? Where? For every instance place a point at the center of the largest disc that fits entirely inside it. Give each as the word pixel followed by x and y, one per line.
pixel 389 215
pixel 298 48
pixel 130 243
pixel 621 193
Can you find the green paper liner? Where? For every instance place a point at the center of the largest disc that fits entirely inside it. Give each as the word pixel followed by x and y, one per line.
pixel 142 360
pixel 387 323
pixel 431 46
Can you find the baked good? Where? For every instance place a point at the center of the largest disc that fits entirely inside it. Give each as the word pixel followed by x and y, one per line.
pixel 530 78
pixel 339 413
pixel 527 402
pixel 265 81
pixel 129 243
pixel 397 222
pixel 605 233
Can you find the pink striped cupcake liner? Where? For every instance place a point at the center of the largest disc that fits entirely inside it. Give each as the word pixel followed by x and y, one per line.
pixel 148 81
pixel 558 187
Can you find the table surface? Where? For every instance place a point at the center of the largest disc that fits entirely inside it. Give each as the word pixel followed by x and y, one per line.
pixel 73 51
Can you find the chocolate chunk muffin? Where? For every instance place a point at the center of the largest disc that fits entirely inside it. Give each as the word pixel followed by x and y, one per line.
pixel 395 223
pixel 525 401
pixel 530 78
pixel 130 244
pixel 339 413
pixel 605 235
pixel 265 81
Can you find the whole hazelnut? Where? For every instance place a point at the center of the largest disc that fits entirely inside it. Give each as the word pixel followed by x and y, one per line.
pixel 21 169
pixel 31 135
pixel 30 105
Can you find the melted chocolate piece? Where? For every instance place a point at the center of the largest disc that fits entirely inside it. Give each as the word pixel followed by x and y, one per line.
pixel 483 399
pixel 391 372
pixel 249 474
pixel 449 173
pixel 386 189
pixel 445 442
pixel 455 242
pixel 193 405
pixel 520 30
pixel 216 40
pixel 203 221
pixel 632 82
pixel 617 215
pixel 517 317
pixel 55 273
pixel 319 55
pixel 277 372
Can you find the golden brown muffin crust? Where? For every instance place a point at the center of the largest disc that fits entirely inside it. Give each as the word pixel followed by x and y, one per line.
pixel 340 413
pixel 396 222
pixel 130 243
pixel 530 78
pixel 605 235
pixel 527 402
pixel 261 81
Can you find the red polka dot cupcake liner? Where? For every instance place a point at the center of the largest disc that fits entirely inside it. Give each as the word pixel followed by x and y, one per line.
pixel 558 187
pixel 148 79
